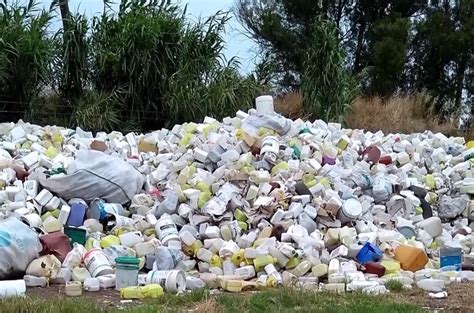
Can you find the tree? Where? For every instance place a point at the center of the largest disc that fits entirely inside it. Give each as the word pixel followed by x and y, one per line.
pixel 25 51
pixel 443 51
pixel 327 85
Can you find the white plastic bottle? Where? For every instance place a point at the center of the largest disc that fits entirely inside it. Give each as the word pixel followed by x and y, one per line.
pixel 334 267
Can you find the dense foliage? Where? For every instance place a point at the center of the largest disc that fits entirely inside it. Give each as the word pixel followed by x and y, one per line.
pixel 393 46
pixel 144 66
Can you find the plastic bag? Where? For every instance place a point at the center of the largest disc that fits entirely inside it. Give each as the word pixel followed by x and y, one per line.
pixel 451 207
pixel 118 180
pixel 19 245
pixel 253 123
pixel 116 251
pixel 167 259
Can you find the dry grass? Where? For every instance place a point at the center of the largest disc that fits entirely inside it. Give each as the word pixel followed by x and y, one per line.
pixel 209 306
pixel 290 105
pixel 398 114
pixel 405 114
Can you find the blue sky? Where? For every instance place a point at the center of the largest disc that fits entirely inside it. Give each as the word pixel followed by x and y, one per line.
pixel 237 44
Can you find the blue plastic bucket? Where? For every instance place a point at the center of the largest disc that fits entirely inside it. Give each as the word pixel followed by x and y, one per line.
pixel 369 252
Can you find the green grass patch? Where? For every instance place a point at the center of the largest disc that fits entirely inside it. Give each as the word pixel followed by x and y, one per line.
pixel 272 300
pixel 292 300
pixel 394 285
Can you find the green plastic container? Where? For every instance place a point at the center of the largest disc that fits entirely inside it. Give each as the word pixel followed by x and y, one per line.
pixel 75 235
pixel 126 272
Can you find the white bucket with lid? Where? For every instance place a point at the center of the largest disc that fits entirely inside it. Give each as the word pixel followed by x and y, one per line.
pixel 264 105
pixel 97 263
pixel 350 211
pixel 166 229
pixel 171 281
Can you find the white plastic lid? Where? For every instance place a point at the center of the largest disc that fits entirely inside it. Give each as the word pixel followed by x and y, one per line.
pixel 352 208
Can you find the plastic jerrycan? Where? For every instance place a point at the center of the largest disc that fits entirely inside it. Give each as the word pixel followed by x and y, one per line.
pixel 410 258
pixel 152 291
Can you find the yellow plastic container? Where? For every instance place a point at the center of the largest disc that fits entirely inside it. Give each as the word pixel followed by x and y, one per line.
pixel 152 291
pixel 430 181
pixel 320 270
pixel 239 285
pixel 51 152
pixel 109 240
pixel 261 261
pixel 46 215
pixel 244 226
pixel 238 257
pixel 193 249
pixel 391 267
pixel 240 215
pixel 92 243
pixel 293 262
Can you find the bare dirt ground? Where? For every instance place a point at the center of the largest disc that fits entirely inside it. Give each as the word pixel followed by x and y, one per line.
pixel 460 298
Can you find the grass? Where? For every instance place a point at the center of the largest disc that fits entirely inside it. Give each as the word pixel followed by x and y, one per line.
pixel 394 285
pixel 272 300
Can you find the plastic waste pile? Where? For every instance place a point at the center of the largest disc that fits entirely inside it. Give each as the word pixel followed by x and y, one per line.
pixel 255 201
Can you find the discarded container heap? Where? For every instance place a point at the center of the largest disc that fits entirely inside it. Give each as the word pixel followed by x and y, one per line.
pixel 253 201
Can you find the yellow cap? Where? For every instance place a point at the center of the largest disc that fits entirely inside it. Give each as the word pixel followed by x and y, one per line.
pixel 216 261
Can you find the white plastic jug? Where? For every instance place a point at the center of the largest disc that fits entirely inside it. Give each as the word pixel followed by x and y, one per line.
pixel 91 284
pixel 130 239
pixel 45 266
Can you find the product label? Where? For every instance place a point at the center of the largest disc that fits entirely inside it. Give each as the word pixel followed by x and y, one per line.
pixel 167 231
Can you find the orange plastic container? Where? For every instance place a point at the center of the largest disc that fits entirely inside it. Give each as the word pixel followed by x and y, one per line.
pixel 410 258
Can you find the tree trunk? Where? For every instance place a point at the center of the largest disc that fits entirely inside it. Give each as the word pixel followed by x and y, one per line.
pixel 460 74
pixel 65 13
pixel 358 51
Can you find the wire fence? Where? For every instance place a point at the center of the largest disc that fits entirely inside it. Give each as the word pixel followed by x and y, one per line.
pixel 62 115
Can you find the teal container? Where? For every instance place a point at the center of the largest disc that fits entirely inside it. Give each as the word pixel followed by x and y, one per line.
pixel 126 274
pixel 76 235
